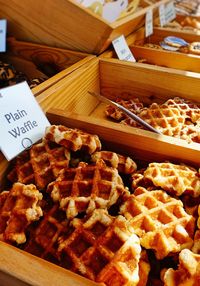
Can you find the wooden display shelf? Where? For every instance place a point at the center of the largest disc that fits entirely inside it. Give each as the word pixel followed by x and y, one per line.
pixel 67 24
pixel 161 58
pixel 26 268
pixel 41 61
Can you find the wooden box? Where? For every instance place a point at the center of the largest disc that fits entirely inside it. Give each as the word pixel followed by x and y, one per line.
pixel 162 58
pixel 67 24
pixel 20 268
pixel 38 61
pixel 114 78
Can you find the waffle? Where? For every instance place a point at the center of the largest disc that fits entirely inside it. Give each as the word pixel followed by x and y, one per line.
pixel 134 105
pixel 175 179
pixel 40 165
pixel 20 208
pixel 138 180
pixel 191 133
pixel 86 187
pixel 123 164
pixel 44 240
pixel 73 139
pixel 188 272
pixel 168 121
pixel 102 248
pixel 160 221
pixel 144 269
pixel 188 109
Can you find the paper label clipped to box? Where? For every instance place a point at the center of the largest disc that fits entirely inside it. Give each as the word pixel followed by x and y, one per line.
pixel 22 120
pixel 122 50
pixel 3 26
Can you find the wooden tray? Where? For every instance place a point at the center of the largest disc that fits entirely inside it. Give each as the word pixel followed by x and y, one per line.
pixel 162 58
pixel 26 268
pixel 37 61
pixel 64 23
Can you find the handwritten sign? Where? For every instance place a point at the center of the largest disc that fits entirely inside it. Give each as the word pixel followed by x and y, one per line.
pixel 22 120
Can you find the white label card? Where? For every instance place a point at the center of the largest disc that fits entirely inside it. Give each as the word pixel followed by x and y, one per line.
pixel 122 50
pixel 170 12
pixel 22 120
pixel 3 26
pixel 162 14
pixel 149 23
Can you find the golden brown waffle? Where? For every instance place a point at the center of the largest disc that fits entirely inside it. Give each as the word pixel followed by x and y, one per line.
pixel 123 164
pixel 188 109
pixel 86 187
pixel 144 269
pixel 175 179
pixel 191 133
pixel 73 139
pixel 134 105
pixel 168 121
pixel 102 248
pixel 138 180
pixel 20 208
pixel 40 165
pixel 160 221
pixel 188 272
pixel 44 240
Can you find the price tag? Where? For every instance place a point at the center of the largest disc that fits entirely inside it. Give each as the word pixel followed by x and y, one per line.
pixel 149 23
pixel 3 25
pixel 22 120
pixel 122 50
pixel 170 12
pixel 162 14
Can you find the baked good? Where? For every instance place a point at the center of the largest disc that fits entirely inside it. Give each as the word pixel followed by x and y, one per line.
pixel 19 209
pixel 86 187
pixel 175 179
pixel 123 164
pixel 73 139
pixel 188 272
pixel 134 105
pixel 160 221
pixel 102 248
pixel 194 48
pixel 40 164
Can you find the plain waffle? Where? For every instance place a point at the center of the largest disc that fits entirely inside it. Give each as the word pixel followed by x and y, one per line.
pixel 86 187
pixel 123 164
pixel 160 221
pixel 133 105
pixel 169 121
pixel 175 179
pixel 43 241
pixel 102 248
pixel 188 272
pixel 40 164
pixel 20 208
pixel 73 139
pixel 187 108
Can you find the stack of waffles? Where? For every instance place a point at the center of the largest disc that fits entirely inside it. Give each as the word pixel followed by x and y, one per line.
pixel 176 117
pixel 93 212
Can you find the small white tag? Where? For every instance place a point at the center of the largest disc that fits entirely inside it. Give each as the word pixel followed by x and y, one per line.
pixel 149 23
pixel 170 12
pixel 3 25
pixel 22 120
pixel 162 15
pixel 122 50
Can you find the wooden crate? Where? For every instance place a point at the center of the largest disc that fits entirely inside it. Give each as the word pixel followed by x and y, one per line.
pixel 162 58
pixel 24 268
pixel 114 78
pixel 66 24
pixel 37 60
pixel 179 19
